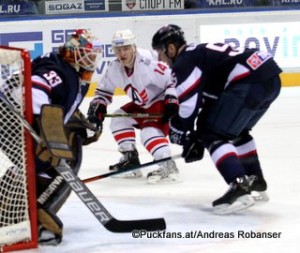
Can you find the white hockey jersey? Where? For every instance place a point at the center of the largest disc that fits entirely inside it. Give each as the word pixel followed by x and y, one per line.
pixel 149 82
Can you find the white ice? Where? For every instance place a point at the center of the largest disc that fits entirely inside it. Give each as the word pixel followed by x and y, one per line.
pixel 187 206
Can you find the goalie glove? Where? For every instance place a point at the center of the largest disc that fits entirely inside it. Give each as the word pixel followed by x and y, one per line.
pixel 193 149
pixel 96 112
pixel 87 130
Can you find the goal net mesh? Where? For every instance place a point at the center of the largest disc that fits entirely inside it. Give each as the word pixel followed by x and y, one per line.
pixel 15 226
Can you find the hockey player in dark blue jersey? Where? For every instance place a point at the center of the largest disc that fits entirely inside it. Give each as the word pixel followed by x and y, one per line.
pixel 223 92
pixel 62 79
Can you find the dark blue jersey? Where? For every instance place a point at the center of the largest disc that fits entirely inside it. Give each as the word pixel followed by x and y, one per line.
pixel 55 81
pixel 206 70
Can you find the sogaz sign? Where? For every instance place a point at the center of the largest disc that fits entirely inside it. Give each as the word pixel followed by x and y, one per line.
pixel 75 6
pixel 60 7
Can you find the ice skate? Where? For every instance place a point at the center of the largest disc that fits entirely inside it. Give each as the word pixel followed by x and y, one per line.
pixel 130 159
pixel 236 199
pixel 258 187
pixel 166 174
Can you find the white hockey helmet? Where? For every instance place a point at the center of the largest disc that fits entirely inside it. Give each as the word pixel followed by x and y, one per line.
pixel 123 38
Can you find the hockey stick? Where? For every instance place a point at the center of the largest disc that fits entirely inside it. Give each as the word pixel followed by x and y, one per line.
pixel 134 115
pixel 99 211
pixel 116 172
pixel 87 197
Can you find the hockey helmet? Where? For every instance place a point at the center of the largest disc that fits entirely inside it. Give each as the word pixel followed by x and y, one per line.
pixel 168 34
pixel 85 48
pixel 120 40
pixel 123 38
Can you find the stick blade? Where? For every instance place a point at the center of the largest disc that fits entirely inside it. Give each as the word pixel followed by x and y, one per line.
pixel 119 226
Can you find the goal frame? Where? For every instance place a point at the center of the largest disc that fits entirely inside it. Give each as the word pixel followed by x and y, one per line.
pixel 30 164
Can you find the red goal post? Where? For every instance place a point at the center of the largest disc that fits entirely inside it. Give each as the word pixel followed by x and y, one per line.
pixel 18 215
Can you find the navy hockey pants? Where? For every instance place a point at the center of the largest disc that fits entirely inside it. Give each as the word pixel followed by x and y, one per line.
pixel 239 107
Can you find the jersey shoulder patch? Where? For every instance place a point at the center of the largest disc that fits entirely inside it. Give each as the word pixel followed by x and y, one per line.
pixel 257 59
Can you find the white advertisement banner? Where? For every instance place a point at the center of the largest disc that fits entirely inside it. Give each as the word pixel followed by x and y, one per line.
pixel 75 6
pixel 143 5
pixel 282 40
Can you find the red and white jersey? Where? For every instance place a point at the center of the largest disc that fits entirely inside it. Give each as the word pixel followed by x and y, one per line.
pixel 149 82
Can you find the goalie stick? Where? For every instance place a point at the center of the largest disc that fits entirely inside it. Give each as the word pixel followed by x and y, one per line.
pixel 99 211
pixel 116 172
pixel 87 197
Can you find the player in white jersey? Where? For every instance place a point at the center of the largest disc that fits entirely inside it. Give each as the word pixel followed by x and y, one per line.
pixel 151 88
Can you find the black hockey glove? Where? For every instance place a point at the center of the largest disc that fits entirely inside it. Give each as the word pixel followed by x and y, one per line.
pixel 171 107
pixel 193 149
pixel 176 133
pixel 96 112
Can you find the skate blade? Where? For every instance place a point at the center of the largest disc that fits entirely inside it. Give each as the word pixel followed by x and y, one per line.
pixel 239 205
pixel 260 197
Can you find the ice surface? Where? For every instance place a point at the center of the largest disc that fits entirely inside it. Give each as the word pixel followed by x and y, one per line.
pixel 187 206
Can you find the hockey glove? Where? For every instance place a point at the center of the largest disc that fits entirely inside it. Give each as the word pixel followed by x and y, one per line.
pixel 193 149
pixel 96 112
pixel 176 134
pixel 171 107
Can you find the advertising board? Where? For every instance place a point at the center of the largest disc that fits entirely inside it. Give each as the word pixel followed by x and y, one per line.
pixel 278 36
pixel 75 6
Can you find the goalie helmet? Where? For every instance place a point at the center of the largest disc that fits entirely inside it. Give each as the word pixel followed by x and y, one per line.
pixel 123 38
pixel 166 35
pixel 82 50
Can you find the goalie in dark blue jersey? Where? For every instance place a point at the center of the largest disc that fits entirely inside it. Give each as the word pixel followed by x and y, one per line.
pixel 223 92
pixel 60 81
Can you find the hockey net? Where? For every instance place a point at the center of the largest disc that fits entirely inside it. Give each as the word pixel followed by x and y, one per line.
pixel 18 222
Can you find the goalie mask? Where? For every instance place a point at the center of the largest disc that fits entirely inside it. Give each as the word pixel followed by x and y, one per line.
pixel 123 43
pixel 82 50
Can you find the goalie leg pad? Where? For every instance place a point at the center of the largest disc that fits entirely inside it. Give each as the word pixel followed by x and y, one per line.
pixel 53 191
pixel 51 227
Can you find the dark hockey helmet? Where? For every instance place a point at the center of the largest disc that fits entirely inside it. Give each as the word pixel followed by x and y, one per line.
pixel 84 50
pixel 168 34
